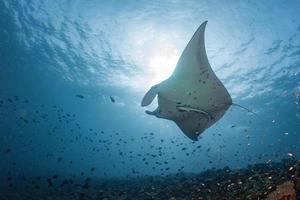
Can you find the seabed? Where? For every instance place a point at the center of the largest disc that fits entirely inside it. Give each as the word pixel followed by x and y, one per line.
pixel 267 181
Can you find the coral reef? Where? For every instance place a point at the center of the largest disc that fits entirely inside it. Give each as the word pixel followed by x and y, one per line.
pixel 268 181
pixel 284 191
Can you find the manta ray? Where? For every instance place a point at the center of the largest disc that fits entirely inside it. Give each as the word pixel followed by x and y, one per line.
pixel 193 96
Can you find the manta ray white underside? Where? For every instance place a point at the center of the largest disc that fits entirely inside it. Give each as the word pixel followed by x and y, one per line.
pixel 193 96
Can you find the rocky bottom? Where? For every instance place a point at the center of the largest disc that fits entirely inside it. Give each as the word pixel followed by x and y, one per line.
pixel 270 181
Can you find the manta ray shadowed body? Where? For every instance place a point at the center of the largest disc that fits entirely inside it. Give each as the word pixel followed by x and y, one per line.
pixel 193 96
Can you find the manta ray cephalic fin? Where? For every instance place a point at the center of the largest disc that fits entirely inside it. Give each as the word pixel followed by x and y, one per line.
pixel 149 96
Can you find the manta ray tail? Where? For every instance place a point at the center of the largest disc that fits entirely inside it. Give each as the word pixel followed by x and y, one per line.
pixel 250 111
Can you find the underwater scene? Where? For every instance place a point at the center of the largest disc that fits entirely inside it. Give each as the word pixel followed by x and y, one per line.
pixel 141 100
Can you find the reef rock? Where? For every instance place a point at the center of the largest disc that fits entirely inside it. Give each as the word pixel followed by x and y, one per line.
pixel 284 191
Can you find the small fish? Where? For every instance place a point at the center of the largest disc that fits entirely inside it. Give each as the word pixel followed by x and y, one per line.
pixel 290 154
pixel 80 96
pixel 112 99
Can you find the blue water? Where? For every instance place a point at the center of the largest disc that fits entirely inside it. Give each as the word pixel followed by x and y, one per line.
pixel 61 61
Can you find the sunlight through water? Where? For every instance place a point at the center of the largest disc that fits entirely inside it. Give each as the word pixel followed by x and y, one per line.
pixel 162 63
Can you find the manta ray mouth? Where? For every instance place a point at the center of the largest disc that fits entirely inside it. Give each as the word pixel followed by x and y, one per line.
pixel 189 109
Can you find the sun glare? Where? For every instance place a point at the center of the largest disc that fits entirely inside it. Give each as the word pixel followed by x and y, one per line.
pixel 162 63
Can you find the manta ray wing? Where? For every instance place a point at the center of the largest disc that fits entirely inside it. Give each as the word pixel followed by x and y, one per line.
pixel 193 59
